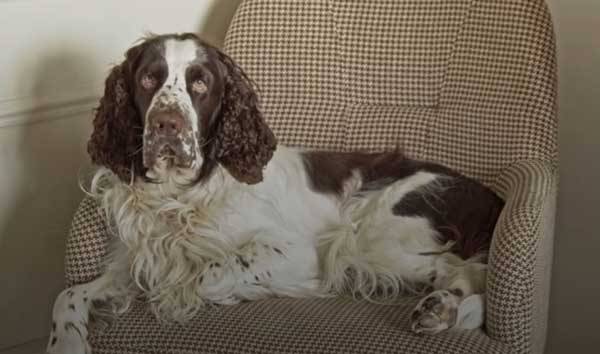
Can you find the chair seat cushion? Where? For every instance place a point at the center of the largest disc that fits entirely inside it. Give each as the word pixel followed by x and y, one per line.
pixel 285 325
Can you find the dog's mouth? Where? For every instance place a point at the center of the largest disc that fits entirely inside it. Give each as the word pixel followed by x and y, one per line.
pixel 168 153
pixel 170 157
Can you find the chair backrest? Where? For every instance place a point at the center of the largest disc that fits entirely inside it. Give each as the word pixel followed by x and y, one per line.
pixel 468 83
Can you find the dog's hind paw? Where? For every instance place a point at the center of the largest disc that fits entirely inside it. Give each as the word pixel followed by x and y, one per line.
pixel 435 313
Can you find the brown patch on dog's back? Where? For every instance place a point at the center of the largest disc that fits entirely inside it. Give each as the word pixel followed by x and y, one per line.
pixel 327 170
pixel 461 209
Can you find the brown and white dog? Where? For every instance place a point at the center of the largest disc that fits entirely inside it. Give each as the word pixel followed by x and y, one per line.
pixel 203 206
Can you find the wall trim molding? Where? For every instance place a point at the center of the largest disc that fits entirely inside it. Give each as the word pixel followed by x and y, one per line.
pixel 29 110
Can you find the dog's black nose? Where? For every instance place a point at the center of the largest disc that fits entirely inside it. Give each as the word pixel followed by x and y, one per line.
pixel 168 124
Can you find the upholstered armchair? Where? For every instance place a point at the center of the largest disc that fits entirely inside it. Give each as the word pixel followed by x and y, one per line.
pixel 467 83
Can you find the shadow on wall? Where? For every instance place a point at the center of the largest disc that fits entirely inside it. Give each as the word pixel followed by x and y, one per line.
pixel 217 20
pixel 40 192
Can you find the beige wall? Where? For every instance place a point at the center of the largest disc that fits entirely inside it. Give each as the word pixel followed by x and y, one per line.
pixel 55 55
pixel 575 301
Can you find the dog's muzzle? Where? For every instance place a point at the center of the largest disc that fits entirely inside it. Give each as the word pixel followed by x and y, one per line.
pixel 169 138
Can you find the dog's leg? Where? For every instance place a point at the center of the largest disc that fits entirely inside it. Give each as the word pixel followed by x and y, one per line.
pixel 456 303
pixel 70 317
pixel 71 312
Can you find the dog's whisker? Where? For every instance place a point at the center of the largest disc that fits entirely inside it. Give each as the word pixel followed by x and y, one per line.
pixel 206 142
pixel 135 152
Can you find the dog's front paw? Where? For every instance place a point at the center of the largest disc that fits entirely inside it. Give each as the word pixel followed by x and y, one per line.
pixel 69 325
pixel 435 313
pixel 68 339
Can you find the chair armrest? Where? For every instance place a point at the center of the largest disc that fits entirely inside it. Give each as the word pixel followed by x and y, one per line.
pixel 86 244
pixel 521 256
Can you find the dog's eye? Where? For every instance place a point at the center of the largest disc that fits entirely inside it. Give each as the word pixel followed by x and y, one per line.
pixel 148 81
pixel 198 86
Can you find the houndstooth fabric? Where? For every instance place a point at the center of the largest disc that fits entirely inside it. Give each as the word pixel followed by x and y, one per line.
pixel 285 325
pixel 520 257
pixel 467 83
pixel 86 244
pixel 498 101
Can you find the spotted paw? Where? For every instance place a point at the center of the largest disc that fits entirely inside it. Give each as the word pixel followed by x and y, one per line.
pixel 69 324
pixel 70 339
pixel 435 313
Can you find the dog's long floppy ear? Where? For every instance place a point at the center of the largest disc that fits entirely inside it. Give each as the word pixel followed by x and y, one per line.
pixel 244 144
pixel 116 141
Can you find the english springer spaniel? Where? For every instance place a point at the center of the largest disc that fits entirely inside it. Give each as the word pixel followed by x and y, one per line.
pixel 205 208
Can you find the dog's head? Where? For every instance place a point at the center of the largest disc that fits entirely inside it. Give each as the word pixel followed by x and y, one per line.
pixel 179 105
